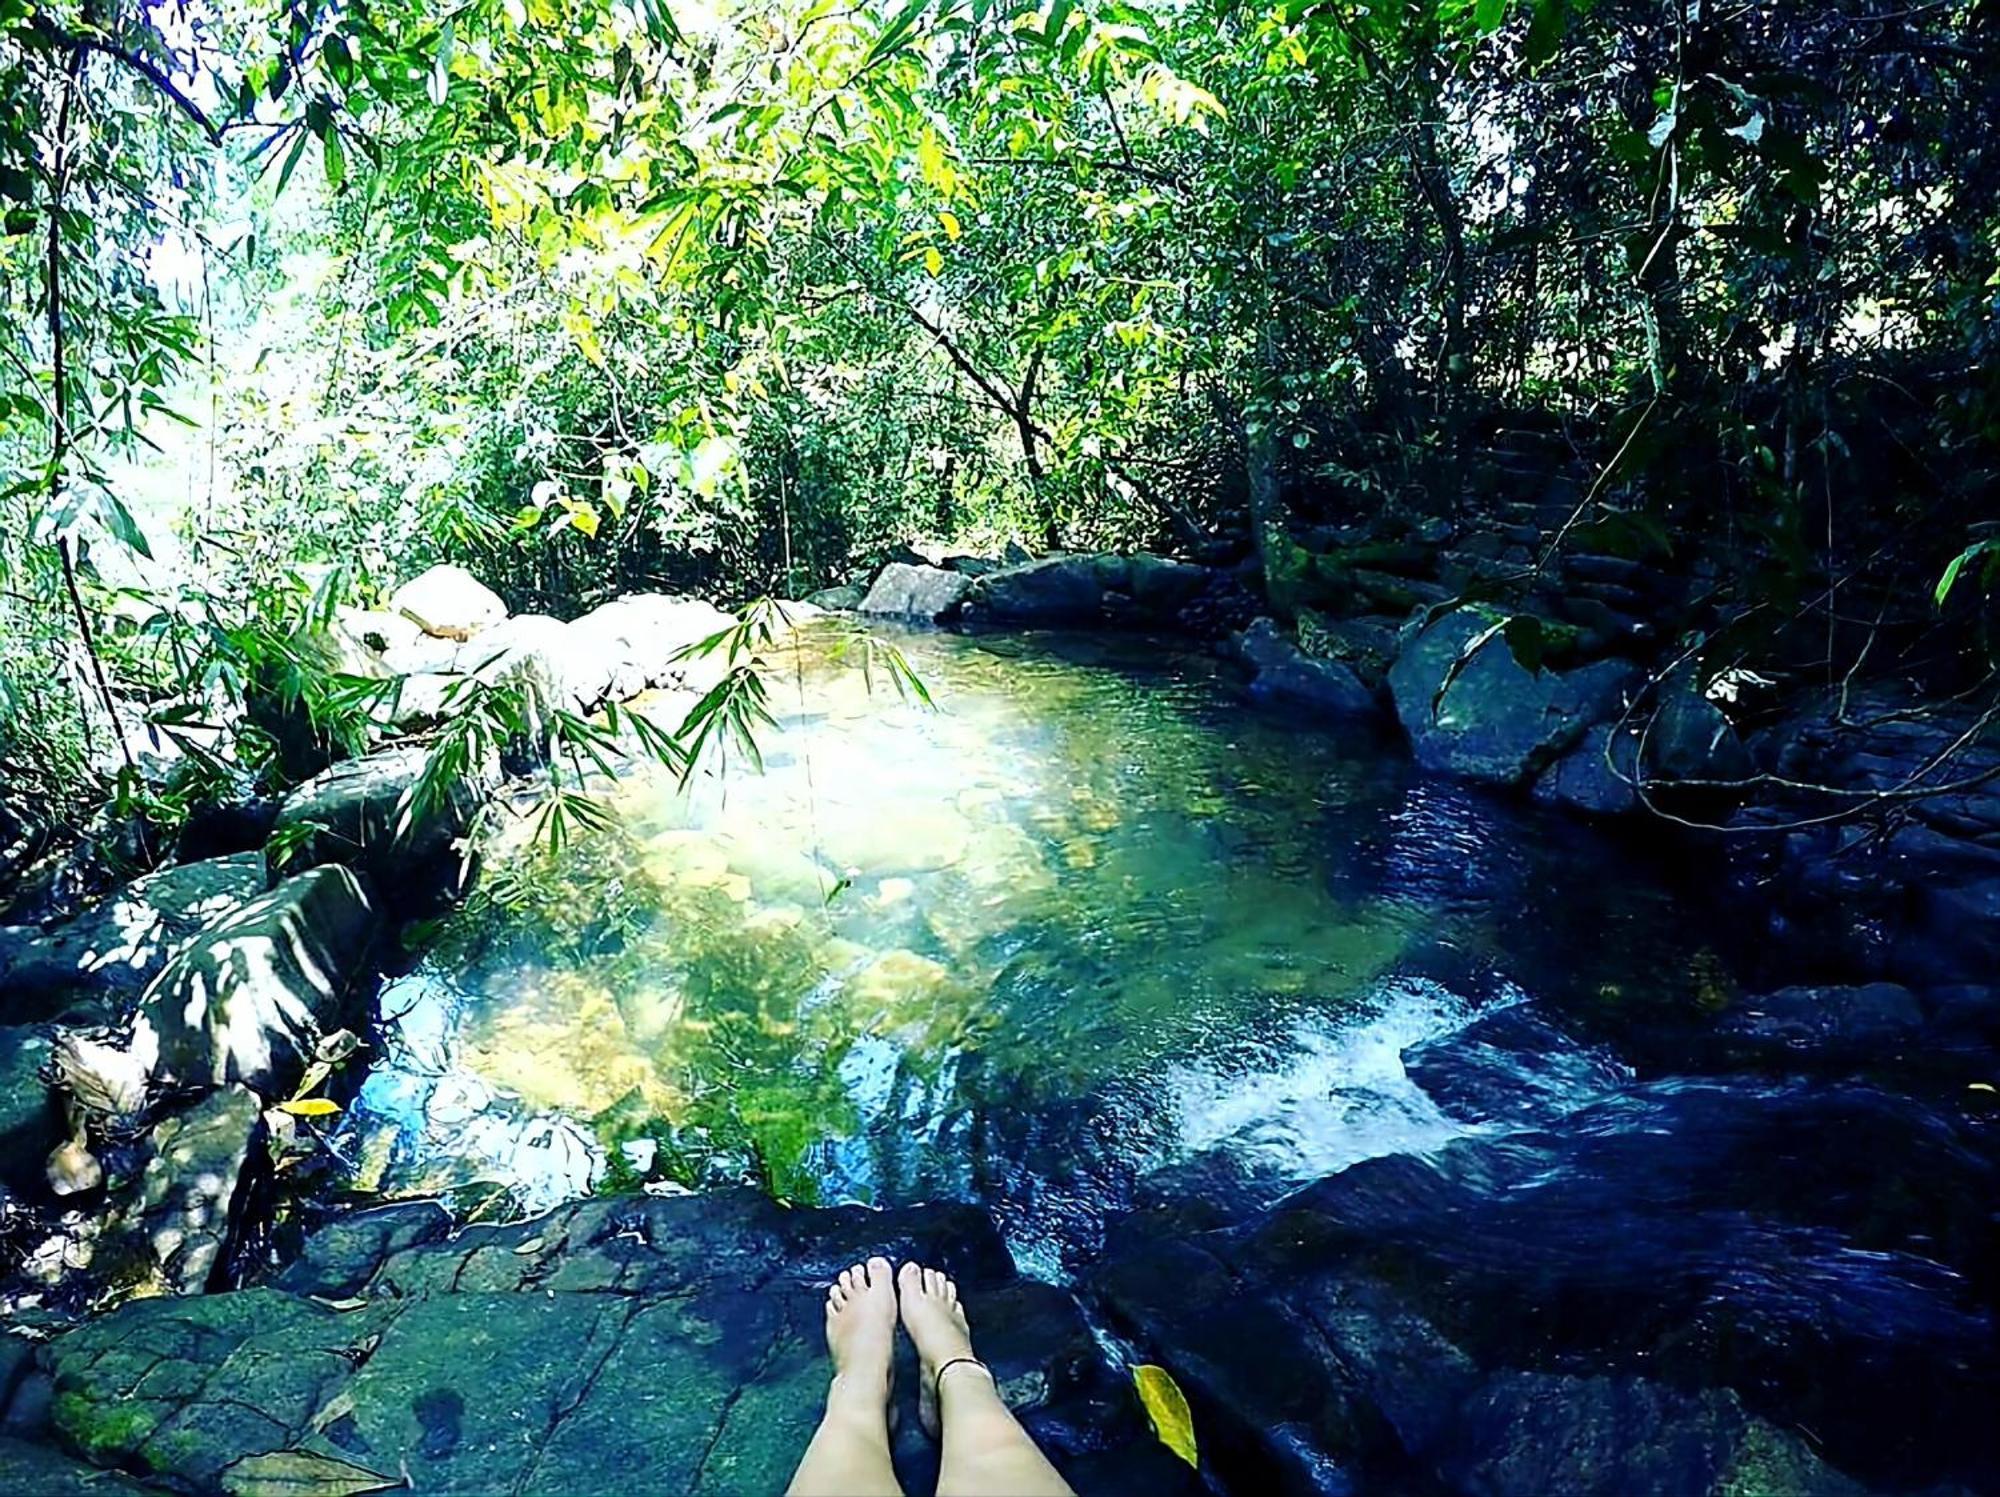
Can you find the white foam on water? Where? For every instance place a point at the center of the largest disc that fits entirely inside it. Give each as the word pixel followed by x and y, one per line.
pixel 1332 1094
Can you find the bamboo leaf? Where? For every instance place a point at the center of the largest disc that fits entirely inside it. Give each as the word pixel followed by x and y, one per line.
pixel 302 1473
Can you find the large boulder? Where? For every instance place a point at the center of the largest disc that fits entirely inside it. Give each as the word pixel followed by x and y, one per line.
pixel 557 667
pixel 183 1211
pixel 640 640
pixel 1284 672
pixel 29 1121
pixel 448 602
pixel 1598 777
pixel 1057 590
pixel 843 599
pixel 1870 1023
pixel 108 954
pixel 1649 1291
pixel 927 595
pixel 629 1345
pixel 251 999
pixel 367 813
pixel 1482 715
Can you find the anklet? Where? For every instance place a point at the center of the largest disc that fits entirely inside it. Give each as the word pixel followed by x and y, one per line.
pixel 937 1382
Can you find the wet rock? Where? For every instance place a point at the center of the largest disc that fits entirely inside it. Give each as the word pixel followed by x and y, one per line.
pixel 448 602
pixel 1039 594
pixel 362 813
pixel 1690 738
pixel 1873 1022
pixel 29 1121
pixel 924 594
pixel 1596 777
pixel 109 953
pixel 634 1344
pixel 1647 1293
pixel 183 1210
pixel 843 599
pixel 1284 672
pixel 1512 1067
pixel 251 999
pixel 1485 717
pixel 40 1471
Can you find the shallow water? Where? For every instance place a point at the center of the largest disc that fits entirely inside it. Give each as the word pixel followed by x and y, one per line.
pixel 1090 925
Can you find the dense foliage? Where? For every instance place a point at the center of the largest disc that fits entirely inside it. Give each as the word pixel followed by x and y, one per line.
pixel 736 296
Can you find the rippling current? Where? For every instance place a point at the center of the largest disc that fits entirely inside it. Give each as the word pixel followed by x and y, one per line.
pixel 1090 928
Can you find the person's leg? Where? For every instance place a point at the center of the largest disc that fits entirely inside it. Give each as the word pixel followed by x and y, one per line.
pixel 986 1452
pixel 849 1453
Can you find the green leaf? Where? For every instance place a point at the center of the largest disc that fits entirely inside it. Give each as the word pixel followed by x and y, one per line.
pixel 1488 14
pixel 1957 565
pixel 1545 31
pixel 1167 1407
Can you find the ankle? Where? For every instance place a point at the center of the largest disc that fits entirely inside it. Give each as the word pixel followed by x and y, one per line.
pixel 859 1392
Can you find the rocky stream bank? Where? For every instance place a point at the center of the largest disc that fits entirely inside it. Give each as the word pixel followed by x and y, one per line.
pixel 1562 1301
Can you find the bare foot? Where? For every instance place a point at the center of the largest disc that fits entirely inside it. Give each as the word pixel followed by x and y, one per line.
pixel 861 1332
pixel 936 1323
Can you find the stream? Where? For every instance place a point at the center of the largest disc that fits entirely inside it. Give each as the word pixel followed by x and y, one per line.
pixel 1089 931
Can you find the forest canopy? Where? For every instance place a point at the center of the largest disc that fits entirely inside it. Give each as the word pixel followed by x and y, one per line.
pixel 738 297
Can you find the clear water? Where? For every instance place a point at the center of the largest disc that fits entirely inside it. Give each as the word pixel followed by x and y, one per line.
pixel 1093 926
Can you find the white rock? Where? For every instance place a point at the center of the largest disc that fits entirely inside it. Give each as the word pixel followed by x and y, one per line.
pixel 925 594
pixel 449 603
pixel 638 636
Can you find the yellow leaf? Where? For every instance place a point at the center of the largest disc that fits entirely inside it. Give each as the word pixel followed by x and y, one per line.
pixel 1167 1407
pixel 933 261
pixel 309 1107
pixel 301 1473
pixel 950 221
pixel 1979 1086
pixel 584 518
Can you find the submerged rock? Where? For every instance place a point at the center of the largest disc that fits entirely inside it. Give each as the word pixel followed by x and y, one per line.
pixel 629 1345
pixel 448 602
pixel 1486 717
pixel 925 594
pixel 250 1000
pixel 112 951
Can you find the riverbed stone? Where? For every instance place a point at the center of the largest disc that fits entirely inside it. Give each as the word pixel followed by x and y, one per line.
pixel 183 1210
pixel 250 1000
pixel 635 1345
pixel 1486 717
pixel 29 1121
pixel 1654 1291
pixel 448 602
pixel 640 638
pixel 845 598
pixel 924 594
pixel 1056 590
pixel 1285 673
pixel 1857 1024
pixel 1597 776
pixel 362 813
pixel 84 966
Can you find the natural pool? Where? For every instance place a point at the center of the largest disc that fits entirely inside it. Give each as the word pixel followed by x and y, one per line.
pixel 1090 924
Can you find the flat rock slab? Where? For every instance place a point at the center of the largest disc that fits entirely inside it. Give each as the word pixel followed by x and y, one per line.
pixel 633 1345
